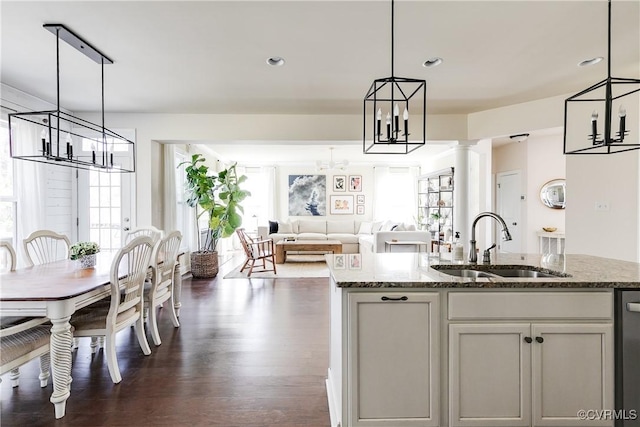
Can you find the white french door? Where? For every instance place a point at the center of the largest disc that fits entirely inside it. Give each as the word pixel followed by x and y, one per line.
pixel 105 203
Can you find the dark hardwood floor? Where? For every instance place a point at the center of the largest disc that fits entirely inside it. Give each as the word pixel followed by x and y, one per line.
pixel 248 353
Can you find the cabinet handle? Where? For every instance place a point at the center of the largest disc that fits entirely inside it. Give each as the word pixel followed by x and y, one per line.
pixel 395 299
pixel 528 340
pixel 540 339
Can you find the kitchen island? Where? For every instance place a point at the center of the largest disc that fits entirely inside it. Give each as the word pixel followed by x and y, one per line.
pixel 412 345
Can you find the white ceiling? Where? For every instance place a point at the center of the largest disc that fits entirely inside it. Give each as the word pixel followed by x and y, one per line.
pixel 210 56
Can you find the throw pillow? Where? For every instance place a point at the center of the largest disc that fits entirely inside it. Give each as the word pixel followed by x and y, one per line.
pixel 399 227
pixel 388 226
pixel 365 228
pixel 285 227
pixel 273 227
pixel 376 226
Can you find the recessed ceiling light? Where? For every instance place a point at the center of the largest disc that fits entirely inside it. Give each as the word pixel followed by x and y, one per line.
pixel 275 61
pixel 432 62
pixel 591 61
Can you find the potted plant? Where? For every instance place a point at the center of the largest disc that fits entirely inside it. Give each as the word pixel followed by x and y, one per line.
pixel 219 196
pixel 85 252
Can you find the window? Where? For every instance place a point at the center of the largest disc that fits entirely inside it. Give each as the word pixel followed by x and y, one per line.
pixel 8 199
pixel 184 212
pixel 396 194
pixel 258 208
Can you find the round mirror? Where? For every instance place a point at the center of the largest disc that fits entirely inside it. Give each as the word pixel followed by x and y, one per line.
pixel 552 194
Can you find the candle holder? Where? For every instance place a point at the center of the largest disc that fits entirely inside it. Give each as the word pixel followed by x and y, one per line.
pixel 604 118
pixel 389 105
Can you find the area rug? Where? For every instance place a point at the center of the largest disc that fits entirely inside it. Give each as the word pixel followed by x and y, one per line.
pixel 297 266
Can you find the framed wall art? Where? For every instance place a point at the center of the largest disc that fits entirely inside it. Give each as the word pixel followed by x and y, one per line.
pixel 355 182
pixel 360 199
pixel 341 205
pixel 360 209
pixel 307 195
pixel 339 183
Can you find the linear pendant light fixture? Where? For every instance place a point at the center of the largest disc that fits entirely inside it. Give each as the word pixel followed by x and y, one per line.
pixel 604 118
pixel 59 138
pixel 386 99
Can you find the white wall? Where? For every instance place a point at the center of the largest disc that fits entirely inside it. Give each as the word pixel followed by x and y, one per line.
pixel 613 179
pixel 545 162
pixel 282 192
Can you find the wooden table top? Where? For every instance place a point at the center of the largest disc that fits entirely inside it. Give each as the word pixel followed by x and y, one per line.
pixel 54 281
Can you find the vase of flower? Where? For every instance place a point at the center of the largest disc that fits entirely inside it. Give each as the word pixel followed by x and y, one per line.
pixel 85 252
pixel 88 261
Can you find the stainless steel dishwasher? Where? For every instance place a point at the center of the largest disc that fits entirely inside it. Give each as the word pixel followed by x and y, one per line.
pixel 627 361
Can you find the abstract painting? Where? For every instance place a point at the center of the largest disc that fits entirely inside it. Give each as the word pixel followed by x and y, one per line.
pixel 307 195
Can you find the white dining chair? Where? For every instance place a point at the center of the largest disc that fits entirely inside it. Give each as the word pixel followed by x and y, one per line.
pixel 45 246
pixel 128 272
pixel 7 256
pixel 151 231
pixel 160 289
pixel 22 340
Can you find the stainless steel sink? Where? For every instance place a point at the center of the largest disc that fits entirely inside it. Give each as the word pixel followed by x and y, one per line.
pixel 465 273
pixel 496 271
pixel 521 273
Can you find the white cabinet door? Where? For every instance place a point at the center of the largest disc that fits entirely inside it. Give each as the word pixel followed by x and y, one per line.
pixel 572 370
pixel 489 375
pixel 393 364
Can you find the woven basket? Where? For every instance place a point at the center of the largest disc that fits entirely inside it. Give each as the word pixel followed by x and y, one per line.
pixel 204 265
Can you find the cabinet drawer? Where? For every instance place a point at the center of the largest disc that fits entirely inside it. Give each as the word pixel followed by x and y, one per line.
pixel 530 305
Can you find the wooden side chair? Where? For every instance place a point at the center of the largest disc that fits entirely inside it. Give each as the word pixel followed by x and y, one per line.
pixel 45 246
pixel 257 251
pixel 163 263
pixel 128 271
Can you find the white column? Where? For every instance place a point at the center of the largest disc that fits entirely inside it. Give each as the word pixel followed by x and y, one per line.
pixel 461 219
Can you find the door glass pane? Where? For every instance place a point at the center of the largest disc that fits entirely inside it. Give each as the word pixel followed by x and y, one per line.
pixel 105 211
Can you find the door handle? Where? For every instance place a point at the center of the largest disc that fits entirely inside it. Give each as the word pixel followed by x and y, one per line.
pixel 528 340
pixel 514 223
pixel 633 307
pixel 126 229
pixel 540 340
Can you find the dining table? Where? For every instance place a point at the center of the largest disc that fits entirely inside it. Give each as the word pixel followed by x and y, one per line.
pixel 56 290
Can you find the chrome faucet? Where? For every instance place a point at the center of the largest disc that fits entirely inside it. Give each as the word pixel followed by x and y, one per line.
pixel 473 256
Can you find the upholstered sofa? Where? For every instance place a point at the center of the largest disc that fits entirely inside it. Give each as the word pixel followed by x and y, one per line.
pixel 355 236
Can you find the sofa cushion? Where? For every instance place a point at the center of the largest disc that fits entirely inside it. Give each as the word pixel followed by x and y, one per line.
pixel 312 236
pixel 365 228
pixel 344 226
pixel 312 226
pixel 343 237
pixel 285 227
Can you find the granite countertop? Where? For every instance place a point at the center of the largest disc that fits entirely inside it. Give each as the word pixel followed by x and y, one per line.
pixel 413 270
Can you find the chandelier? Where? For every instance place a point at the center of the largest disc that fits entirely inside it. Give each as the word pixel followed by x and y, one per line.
pixel 596 120
pixel 331 164
pixel 63 139
pixel 389 96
